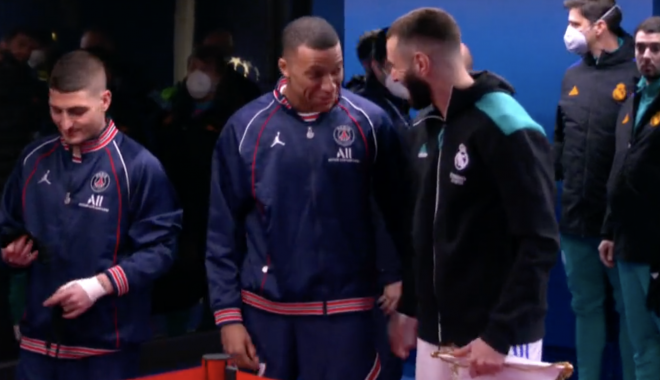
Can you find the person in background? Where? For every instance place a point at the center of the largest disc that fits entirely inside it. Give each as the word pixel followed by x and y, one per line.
pixel 380 88
pixel 293 263
pixel 131 103
pixel 592 92
pixel 23 110
pixel 185 135
pixel 633 218
pixel 392 98
pixel 222 40
pixel 90 216
pixel 97 38
pixel 364 50
pixel 493 205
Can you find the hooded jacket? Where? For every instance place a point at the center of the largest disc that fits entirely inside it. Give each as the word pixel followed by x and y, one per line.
pixel 592 93
pixel 485 232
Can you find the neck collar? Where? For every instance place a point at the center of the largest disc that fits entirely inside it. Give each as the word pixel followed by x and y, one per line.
pixel 278 93
pixel 93 145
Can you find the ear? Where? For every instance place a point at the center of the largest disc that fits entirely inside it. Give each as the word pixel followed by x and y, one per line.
pixel 284 67
pixel 601 27
pixel 374 66
pixel 422 63
pixel 106 100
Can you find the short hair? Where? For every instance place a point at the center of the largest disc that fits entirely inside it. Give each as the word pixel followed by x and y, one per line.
pixel 651 25
pixel 365 44
pixel 594 10
pixel 429 25
pixel 379 51
pixel 313 32
pixel 211 55
pixel 76 71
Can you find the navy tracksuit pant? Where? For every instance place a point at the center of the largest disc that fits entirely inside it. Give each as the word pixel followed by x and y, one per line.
pixel 116 366
pixel 324 347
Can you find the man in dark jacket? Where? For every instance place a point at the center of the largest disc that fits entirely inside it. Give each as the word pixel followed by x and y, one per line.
pixel 379 87
pixel 485 196
pixel 592 92
pixel 364 47
pixel 185 136
pixel 633 219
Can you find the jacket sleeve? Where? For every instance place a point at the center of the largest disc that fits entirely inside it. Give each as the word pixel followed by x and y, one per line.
pixel 229 194
pixel 393 195
pixel 521 163
pixel 155 222
pixel 558 144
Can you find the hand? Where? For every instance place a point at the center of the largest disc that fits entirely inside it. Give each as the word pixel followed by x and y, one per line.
pixel 483 359
pixel 402 331
pixel 389 301
pixel 606 251
pixel 237 343
pixel 19 253
pixel 76 297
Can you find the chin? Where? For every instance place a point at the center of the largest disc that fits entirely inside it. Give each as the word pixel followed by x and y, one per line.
pixel 73 140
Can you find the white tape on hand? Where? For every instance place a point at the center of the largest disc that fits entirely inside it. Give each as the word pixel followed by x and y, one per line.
pixel 92 286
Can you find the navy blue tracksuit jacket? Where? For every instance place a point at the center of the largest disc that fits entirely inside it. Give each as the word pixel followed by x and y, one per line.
pixel 105 207
pixel 291 226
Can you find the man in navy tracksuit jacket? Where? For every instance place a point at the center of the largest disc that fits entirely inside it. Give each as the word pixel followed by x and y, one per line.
pixel 92 218
pixel 292 260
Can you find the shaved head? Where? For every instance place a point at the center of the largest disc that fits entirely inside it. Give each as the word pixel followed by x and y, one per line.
pixel 467 57
pixel 309 31
pixel 78 71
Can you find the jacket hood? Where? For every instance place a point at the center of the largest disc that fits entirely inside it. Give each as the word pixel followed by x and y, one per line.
pixel 625 53
pixel 485 82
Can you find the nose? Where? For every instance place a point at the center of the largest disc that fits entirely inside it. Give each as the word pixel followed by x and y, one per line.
pixel 65 123
pixel 647 53
pixel 328 84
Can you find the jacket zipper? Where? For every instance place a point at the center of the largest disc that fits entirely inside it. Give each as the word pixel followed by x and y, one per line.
pixel 435 217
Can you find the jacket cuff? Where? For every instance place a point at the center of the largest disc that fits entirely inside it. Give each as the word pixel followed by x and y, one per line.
pixel 387 278
pixel 118 280
pixel 228 316
pixel 497 338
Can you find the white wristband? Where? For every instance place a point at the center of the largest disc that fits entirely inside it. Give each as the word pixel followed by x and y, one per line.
pixel 92 286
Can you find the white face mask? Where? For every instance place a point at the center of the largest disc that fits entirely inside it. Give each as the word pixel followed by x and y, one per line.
pixel 36 58
pixel 198 84
pixel 575 41
pixel 396 88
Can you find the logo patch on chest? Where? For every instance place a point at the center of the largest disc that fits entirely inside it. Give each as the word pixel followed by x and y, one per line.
pixel 344 137
pixel 100 182
pixel 95 202
pixel 461 160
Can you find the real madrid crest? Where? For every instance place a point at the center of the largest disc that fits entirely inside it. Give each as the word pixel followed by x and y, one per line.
pixel 655 120
pixel 100 182
pixel 344 135
pixel 620 93
pixel 461 160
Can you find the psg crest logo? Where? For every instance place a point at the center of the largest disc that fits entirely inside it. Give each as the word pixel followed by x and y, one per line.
pixel 100 182
pixel 344 135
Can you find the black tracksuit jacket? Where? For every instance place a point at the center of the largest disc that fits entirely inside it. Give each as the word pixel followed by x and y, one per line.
pixel 485 232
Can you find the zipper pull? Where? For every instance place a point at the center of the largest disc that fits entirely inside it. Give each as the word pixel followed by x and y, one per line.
pixel 310 133
pixel 67 198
